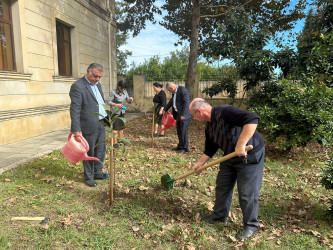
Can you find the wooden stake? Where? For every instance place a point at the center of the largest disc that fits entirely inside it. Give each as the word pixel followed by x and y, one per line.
pixel 111 171
pixel 152 130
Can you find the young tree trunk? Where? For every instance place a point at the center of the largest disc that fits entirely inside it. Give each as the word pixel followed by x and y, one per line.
pixel 194 46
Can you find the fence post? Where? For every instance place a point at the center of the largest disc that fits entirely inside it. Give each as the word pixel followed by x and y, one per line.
pixel 196 86
pixel 139 92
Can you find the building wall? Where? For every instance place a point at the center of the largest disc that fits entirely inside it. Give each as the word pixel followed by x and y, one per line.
pixel 34 100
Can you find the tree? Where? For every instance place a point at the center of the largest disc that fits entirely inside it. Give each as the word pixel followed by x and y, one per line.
pixel 121 38
pixel 196 20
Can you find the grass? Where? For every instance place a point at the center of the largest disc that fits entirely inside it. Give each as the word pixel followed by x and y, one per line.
pixel 293 204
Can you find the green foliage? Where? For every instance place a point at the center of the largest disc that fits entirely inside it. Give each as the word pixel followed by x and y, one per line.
pixel 319 63
pixel 314 55
pixel 121 38
pixel 327 177
pixel 241 41
pixel 265 94
pixel 299 114
pixel 112 118
pixel 227 80
pixel 174 67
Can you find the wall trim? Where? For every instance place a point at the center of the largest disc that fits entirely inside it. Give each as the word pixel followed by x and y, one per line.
pixel 14 76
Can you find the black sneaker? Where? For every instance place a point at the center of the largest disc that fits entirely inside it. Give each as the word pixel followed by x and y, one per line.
pixel 90 183
pixel 161 135
pixel 245 234
pixel 212 219
pixel 104 176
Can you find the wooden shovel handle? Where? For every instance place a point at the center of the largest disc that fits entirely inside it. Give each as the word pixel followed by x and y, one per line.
pixel 224 158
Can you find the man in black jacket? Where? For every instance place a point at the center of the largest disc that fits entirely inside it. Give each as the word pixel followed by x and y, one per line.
pixel 180 102
pixel 232 129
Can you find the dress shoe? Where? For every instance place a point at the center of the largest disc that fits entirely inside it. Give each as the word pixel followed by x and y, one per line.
pixel 245 234
pixel 212 219
pixel 105 176
pixel 175 149
pixel 182 151
pixel 90 183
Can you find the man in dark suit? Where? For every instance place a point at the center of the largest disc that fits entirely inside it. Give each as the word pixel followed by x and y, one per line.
pixel 180 103
pixel 87 97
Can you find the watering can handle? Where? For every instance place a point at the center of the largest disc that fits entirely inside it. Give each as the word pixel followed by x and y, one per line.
pixel 81 140
pixel 224 158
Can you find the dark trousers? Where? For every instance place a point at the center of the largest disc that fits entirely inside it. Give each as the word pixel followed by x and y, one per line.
pixel 93 169
pixel 182 132
pixel 249 179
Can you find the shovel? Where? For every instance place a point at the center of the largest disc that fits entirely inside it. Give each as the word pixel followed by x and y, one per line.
pixel 167 181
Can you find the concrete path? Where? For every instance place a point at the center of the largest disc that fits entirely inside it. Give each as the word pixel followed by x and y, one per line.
pixel 14 154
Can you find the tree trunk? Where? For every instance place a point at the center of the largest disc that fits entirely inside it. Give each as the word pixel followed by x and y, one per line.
pixel 194 46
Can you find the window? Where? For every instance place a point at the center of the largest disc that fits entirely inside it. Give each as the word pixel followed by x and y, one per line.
pixel 7 61
pixel 64 49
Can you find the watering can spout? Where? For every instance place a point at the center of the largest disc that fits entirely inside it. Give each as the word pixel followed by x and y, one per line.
pixel 88 158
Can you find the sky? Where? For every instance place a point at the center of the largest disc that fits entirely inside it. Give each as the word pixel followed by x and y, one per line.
pixel 156 40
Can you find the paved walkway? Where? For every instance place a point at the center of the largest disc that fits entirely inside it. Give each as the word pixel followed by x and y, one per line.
pixel 17 153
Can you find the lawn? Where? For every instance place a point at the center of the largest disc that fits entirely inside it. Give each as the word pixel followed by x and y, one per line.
pixel 293 205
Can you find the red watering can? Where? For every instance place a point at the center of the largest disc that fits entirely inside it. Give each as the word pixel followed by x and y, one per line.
pixel 75 150
pixel 167 121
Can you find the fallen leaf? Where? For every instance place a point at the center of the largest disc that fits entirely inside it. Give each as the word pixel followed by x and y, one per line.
pixel 142 188
pixel 135 228
pixel 210 238
pixel 7 180
pixel 147 236
pixel 232 238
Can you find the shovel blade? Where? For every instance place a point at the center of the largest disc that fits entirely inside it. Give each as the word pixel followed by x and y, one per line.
pixel 167 181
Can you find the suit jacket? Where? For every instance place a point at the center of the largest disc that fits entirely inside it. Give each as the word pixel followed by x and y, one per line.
pixel 83 103
pixel 182 104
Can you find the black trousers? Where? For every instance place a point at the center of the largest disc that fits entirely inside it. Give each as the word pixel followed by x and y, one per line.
pixel 93 169
pixel 182 132
pixel 249 179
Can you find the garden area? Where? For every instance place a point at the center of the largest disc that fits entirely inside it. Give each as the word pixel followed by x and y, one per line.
pixel 293 213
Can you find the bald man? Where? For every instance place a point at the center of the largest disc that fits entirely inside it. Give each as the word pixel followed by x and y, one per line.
pixel 232 129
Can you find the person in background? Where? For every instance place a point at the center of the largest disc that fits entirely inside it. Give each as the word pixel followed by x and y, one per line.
pixel 180 102
pixel 87 97
pixel 160 100
pixel 232 129
pixel 116 101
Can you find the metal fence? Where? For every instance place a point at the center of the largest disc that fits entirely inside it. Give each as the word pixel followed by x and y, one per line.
pixel 149 91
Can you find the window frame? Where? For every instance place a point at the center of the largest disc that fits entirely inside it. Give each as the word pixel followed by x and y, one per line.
pixel 10 22
pixel 61 47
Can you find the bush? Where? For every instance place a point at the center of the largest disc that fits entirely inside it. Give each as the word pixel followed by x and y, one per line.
pixel 299 114
pixel 327 179
pixel 264 95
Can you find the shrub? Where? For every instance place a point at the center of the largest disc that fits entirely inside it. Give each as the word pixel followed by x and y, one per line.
pixel 299 114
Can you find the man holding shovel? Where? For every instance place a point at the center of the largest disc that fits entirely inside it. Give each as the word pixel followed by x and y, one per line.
pixel 231 129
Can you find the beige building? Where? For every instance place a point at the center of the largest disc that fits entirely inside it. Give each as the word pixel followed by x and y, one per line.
pixel 46 45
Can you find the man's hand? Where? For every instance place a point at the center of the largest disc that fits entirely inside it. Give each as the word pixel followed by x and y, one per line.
pixel 182 118
pixel 131 99
pixel 240 150
pixel 203 159
pixel 76 136
pixel 196 166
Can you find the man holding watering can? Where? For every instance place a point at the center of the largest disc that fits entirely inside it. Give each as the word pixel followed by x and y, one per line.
pixel 231 129
pixel 87 97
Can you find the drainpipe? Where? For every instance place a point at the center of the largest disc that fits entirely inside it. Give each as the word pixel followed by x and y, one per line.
pixel 110 47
